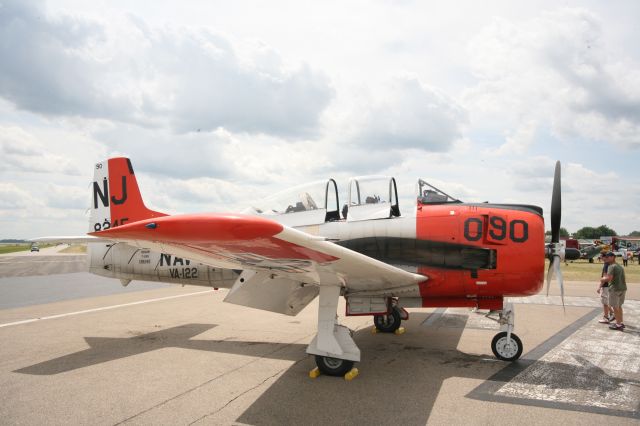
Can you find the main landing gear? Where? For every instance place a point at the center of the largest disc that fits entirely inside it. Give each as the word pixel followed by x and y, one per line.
pixel 505 345
pixel 334 349
pixel 390 322
pixel 333 366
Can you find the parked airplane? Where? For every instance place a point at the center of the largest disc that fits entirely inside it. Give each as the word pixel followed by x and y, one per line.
pixel 279 255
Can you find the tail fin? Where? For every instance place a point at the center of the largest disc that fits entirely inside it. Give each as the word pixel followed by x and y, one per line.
pixel 116 198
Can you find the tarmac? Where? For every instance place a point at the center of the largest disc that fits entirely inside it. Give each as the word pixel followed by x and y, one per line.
pixel 80 349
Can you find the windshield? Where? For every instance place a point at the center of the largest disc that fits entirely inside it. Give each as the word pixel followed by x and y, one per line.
pixel 302 198
pixel 429 194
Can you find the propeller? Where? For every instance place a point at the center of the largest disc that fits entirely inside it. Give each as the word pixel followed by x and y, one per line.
pixel 554 249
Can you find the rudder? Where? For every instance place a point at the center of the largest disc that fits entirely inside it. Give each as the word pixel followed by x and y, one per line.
pixel 115 196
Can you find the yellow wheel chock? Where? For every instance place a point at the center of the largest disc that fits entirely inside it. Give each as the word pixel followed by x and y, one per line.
pixel 351 374
pixel 314 373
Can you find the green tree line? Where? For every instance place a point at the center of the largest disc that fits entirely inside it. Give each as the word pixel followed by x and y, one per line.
pixel 590 233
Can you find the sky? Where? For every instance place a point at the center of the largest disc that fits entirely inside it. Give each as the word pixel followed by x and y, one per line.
pixel 219 103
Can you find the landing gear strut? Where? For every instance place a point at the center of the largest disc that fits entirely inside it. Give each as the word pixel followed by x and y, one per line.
pixel 333 347
pixel 505 345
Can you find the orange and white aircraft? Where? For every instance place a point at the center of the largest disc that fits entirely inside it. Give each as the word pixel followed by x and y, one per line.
pixel 299 244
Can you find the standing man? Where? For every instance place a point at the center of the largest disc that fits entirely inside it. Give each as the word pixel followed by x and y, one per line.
pixel 617 289
pixel 625 256
pixel 603 291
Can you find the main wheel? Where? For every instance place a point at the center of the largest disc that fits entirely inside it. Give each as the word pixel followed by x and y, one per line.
pixel 504 351
pixel 388 323
pixel 333 366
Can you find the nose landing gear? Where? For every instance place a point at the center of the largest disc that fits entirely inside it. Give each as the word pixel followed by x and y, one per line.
pixel 506 346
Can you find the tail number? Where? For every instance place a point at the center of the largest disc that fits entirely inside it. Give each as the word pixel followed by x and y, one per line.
pixel 518 229
pixel 108 224
pixel 103 193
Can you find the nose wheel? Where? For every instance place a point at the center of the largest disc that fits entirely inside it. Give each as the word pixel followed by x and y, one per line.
pixel 506 348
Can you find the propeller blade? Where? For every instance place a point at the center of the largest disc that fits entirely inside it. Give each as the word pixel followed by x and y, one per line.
pixel 550 274
pixel 556 205
pixel 558 272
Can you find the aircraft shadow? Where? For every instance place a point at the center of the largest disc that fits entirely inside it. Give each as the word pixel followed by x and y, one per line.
pixel 401 375
pixel 404 374
pixel 106 349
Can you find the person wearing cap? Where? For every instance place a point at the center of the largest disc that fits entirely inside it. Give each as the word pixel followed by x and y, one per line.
pixel 617 289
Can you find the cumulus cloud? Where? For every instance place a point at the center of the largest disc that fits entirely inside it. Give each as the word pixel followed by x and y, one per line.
pixel 13 197
pixel 187 79
pixel 66 196
pixel 554 72
pixel 409 114
pixel 185 156
pixel 22 152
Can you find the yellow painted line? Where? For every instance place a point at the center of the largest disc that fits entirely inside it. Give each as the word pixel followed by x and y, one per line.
pixel 104 308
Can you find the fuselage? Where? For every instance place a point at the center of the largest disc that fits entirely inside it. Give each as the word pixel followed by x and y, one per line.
pixel 472 254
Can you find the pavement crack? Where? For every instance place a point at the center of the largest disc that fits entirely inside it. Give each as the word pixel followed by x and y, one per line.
pixel 277 373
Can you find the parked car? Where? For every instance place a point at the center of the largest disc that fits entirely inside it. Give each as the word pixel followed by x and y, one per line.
pixel 35 248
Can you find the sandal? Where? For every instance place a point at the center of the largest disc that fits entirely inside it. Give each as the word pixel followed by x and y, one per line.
pixel 604 320
pixel 619 327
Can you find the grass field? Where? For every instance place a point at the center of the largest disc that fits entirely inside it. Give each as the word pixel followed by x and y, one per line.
pixel 75 248
pixel 581 270
pixel 13 248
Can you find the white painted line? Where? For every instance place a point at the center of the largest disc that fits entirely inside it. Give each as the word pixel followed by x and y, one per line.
pixel 104 308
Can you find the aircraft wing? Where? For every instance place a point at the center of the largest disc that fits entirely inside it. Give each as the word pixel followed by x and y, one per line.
pixel 277 261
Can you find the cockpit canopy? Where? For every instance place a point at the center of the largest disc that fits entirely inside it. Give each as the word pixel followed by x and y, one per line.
pixel 369 197
pixel 309 204
pixel 429 194
pixel 372 197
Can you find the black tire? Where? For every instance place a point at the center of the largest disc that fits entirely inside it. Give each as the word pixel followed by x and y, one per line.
pixel 388 323
pixel 498 347
pixel 333 366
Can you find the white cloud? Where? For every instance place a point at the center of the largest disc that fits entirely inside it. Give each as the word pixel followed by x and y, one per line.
pixel 187 79
pixel 12 197
pixel 554 72
pixel 408 114
pixel 215 107
pixel 22 152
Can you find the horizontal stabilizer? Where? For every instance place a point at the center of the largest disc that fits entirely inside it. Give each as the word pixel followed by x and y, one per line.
pixel 71 239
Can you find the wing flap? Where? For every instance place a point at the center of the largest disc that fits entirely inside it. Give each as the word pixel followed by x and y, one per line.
pixel 262 290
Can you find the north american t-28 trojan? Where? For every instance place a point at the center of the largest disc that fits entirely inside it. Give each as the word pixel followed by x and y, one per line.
pixel 282 253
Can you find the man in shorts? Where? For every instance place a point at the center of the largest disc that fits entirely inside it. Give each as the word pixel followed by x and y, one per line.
pixel 617 289
pixel 603 291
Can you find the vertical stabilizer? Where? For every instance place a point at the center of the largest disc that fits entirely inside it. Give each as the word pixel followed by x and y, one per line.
pixel 115 196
